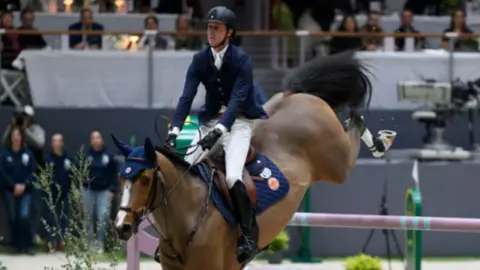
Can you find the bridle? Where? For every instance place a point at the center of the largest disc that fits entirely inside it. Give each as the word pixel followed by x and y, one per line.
pixel 150 206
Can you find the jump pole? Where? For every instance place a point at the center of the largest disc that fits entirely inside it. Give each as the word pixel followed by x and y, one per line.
pixel 149 243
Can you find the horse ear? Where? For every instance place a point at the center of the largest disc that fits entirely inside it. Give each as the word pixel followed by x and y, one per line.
pixel 150 153
pixel 123 147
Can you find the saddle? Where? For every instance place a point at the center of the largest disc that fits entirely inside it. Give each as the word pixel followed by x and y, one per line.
pixel 216 164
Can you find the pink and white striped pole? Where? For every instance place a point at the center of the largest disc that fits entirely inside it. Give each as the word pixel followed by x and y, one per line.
pixel 386 222
pixel 145 243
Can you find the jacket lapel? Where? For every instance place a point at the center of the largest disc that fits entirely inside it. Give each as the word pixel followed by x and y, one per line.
pixel 210 59
pixel 228 55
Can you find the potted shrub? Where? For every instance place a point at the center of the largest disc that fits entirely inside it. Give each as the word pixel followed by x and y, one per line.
pixel 363 262
pixel 277 248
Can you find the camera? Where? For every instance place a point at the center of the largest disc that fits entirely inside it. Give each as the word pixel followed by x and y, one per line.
pixel 440 101
pixel 21 114
pixel 19 119
pixel 464 92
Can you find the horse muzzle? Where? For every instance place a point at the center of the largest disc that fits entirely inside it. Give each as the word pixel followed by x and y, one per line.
pixel 125 231
pixel 126 224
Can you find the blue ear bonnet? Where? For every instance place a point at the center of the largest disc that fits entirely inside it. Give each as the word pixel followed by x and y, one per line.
pixel 135 162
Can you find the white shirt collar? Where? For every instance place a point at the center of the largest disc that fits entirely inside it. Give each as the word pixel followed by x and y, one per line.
pixel 220 53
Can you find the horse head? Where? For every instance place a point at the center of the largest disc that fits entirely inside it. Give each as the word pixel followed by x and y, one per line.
pixel 140 177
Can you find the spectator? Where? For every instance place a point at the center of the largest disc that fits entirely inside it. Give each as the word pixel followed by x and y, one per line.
pixel 160 42
pixel 17 166
pixel 10 47
pixel 182 40
pixel 459 26
pixel 23 119
pixel 406 26
pixel 372 26
pixel 61 164
pixel 340 44
pixel 83 42
pixel 30 41
pixel 99 189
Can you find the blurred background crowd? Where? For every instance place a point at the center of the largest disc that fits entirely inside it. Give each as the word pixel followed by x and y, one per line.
pixel 292 15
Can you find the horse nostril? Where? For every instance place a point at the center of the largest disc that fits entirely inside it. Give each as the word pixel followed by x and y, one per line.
pixel 126 228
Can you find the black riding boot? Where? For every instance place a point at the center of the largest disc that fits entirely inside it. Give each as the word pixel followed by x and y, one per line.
pixel 247 244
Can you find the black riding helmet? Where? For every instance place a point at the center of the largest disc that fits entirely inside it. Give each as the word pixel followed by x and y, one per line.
pixel 221 14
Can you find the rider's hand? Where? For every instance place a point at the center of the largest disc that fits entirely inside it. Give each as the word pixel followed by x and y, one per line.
pixel 171 140
pixel 212 137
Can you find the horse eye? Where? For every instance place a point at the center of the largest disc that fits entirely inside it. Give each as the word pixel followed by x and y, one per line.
pixel 145 180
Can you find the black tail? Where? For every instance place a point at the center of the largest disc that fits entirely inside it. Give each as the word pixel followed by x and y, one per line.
pixel 339 79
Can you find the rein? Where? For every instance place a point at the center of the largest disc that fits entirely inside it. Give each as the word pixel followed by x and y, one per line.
pixel 139 216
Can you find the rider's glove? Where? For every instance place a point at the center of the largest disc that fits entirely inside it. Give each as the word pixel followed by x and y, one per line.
pixel 212 137
pixel 172 138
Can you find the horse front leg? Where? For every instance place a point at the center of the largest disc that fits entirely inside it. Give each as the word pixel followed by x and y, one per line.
pixel 377 145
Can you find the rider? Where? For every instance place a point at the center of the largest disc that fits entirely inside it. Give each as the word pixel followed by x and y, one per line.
pixel 230 108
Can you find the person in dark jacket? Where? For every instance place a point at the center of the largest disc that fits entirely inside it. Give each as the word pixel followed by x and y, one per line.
pixel 17 168
pixel 161 42
pixel 406 26
pixel 99 189
pixel 9 45
pixel 30 41
pixel 82 42
pixel 61 165
pixel 341 44
pixel 34 138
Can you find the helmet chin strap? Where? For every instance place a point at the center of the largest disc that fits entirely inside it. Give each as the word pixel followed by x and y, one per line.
pixel 221 43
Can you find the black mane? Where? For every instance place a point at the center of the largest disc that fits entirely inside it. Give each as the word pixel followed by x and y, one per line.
pixel 175 158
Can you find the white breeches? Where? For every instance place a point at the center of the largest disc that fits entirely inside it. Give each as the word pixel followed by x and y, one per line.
pixel 236 144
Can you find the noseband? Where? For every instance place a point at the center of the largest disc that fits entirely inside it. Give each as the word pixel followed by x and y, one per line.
pixel 141 214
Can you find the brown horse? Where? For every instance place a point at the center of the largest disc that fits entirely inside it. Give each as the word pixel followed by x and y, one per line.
pixel 302 136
